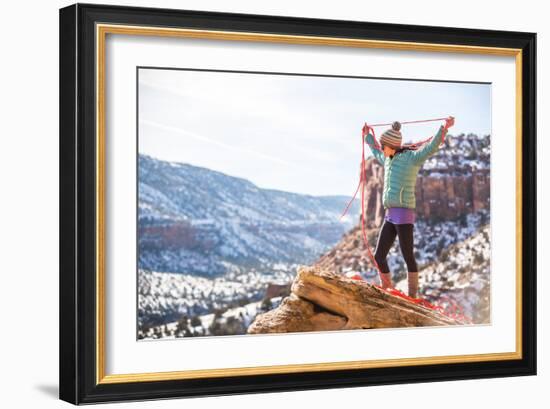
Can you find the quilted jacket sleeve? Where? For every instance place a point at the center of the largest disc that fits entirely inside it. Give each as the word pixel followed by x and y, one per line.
pixel 429 148
pixel 375 149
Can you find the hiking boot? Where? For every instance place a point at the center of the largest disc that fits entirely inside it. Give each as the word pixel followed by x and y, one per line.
pixel 385 280
pixel 412 281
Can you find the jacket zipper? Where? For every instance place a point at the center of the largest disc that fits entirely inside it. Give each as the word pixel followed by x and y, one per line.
pixel 401 195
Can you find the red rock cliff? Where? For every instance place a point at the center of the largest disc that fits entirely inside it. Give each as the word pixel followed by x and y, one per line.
pixel 439 195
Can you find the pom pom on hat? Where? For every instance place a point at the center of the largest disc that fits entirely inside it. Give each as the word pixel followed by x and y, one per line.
pixel 392 137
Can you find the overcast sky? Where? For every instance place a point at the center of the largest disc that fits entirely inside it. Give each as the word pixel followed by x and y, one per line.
pixel 294 133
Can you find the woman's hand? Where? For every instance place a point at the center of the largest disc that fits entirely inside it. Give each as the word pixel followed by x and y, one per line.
pixel 365 130
pixel 450 121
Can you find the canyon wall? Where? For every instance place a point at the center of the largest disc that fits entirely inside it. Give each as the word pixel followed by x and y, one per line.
pixel 440 195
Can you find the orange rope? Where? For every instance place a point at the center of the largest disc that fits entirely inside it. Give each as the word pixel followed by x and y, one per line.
pixel 411 122
pixel 363 184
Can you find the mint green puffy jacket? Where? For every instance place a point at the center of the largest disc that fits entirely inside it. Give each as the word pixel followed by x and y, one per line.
pixel 400 171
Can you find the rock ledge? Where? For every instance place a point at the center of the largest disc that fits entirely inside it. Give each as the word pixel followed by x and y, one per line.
pixel 321 300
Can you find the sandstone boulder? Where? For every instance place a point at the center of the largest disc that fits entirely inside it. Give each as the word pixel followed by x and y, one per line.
pixel 321 300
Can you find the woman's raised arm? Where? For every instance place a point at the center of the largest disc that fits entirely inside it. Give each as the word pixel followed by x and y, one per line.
pixel 373 145
pixel 432 146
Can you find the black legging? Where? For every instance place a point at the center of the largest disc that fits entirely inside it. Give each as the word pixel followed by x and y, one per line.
pixel 386 239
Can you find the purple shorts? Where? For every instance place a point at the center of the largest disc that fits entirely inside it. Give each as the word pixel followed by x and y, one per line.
pixel 400 215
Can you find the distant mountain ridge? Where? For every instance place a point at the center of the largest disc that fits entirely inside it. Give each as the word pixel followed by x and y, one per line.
pixel 195 220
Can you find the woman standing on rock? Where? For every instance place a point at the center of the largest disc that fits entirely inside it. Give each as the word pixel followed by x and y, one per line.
pixel 401 165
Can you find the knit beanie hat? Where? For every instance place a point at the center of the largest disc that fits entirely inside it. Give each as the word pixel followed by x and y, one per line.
pixel 392 137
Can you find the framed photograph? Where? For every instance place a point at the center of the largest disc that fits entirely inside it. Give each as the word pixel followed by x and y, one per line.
pixel 256 203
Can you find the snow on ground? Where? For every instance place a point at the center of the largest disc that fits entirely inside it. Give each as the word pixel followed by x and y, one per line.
pixel 164 297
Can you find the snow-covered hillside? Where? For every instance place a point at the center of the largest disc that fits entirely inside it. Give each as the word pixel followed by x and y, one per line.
pixel 194 220
pixel 165 297
pixel 232 321
pixel 461 276
pixel 459 156
pixel 431 238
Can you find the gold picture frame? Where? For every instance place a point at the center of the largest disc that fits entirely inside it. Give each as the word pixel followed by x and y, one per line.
pixel 96 23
